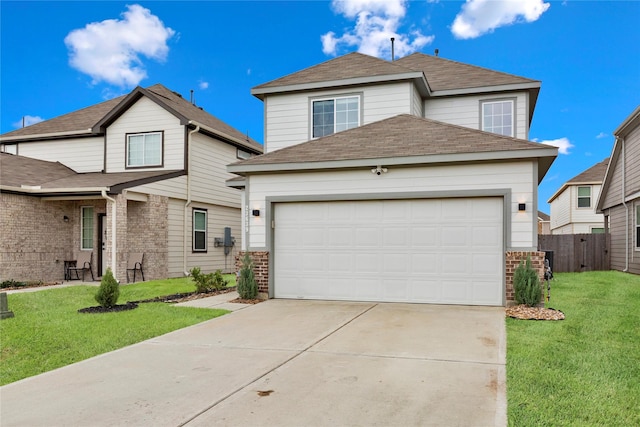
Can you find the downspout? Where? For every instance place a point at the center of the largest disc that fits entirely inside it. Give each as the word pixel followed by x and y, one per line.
pixel 187 203
pixel 113 233
pixel 626 208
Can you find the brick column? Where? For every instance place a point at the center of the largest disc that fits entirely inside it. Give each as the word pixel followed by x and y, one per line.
pixel 260 269
pixel 512 261
pixel 121 237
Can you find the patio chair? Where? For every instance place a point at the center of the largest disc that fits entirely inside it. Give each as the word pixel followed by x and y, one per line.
pixel 83 263
pixel 134 264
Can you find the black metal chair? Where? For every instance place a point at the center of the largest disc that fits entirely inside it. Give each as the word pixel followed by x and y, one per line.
pixel 134 264
pixel 83 264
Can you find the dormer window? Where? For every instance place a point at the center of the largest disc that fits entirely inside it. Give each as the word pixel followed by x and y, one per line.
pixel 144 149
pixel 498 117
pixel 331 115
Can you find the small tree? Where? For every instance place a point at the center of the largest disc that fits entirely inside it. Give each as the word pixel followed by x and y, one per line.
pixel 109 290
pixel 247 285
pixel 526 284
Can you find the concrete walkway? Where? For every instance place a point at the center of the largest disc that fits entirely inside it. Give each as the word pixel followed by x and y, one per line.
pixel 285 362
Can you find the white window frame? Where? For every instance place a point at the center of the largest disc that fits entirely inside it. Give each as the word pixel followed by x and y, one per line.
pixel 511 101
pixel 356 96
pixel 578 197
pixel 242 154
pixel 637 246
pixel 90 228
pixel 194 230
pixel 145 162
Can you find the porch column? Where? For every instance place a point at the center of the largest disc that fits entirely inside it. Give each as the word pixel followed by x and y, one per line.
pixel 119 265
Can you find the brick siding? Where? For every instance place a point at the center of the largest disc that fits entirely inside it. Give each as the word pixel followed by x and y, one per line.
pixel 512 261
pixel 260 268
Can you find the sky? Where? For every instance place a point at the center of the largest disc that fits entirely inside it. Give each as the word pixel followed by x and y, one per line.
pixel 57 57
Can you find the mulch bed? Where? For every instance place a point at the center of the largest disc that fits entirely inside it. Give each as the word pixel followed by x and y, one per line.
pixel 246 301
pixel 534 313
pixel 183 297
pixel 114 309
pixel 31 285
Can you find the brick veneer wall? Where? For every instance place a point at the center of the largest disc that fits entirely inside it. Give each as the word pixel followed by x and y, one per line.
pixel 512 261
pixel 148 232
pixel 260 269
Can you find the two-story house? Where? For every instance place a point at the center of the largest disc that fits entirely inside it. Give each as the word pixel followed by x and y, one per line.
pixel 619 199
pixel 573 206
pixel 407 181
pixel 142 173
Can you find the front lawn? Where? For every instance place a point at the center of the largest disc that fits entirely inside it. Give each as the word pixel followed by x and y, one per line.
pixel 47 332
pixel 584 370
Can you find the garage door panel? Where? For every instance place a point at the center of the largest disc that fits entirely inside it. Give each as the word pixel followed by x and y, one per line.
pixel 447 251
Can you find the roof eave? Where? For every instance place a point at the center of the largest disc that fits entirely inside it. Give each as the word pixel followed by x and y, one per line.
pixel 631 121
pixel 416 76
pixel 194 124
pixel 549 153
pixel 51 135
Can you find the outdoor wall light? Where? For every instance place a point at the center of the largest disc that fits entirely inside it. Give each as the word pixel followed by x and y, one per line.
pixel 255 212
pixel 522 207
pixel 65 218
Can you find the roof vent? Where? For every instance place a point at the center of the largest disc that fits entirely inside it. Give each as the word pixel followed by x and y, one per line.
pixel 436 52
pixel 393 56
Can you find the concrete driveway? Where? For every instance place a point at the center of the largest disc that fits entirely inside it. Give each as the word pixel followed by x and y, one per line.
pixel 285 362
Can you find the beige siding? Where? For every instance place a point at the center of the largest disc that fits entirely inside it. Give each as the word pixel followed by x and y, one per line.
pixel 417 105
pixel 613 196
pixel 145 116
pixel 287 117
pixel 465 110
pixel 174 187
pixel 80 154
pixel 560 211
pixel 175 226
pixel 517 177
pixel 632 143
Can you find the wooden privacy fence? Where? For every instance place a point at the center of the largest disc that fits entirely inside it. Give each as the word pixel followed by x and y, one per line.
pixel 576 252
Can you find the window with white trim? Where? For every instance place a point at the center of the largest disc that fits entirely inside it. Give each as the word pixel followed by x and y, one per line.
pixel 242 154
pixel 86 227
pixel 584 197
pixel 199 230
pixel 498 117
pixel 638 226
pixel 144 149
pixel 334 115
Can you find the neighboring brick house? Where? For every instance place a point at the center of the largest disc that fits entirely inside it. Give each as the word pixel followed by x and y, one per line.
pixel 573 206
pixel 619 200
pixel 143 172
pixel 405 181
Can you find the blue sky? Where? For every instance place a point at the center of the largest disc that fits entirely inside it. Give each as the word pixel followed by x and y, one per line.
pixel 586 53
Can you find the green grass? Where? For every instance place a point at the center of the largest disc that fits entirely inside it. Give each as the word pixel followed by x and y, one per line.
pixel 47 332
pixel 584 370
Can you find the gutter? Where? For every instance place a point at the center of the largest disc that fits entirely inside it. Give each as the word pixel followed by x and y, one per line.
pixel 46 135
pixel 188 202
pixel 198 125
pixel 113 232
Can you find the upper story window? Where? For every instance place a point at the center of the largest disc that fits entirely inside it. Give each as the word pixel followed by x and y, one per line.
pixel 584 197
pixel 334 115
pixel 638 227
pixel 144 149
pixel 242 154
pixel 498 117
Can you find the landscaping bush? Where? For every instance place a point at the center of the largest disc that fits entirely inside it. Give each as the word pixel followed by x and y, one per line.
pixel 208 282
pixel 526 284
pixel 12 284
pixel 247 285
pixel 109 290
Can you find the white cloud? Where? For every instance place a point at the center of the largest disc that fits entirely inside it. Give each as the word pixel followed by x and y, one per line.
pixel 376 22
pixel 203 85
pixel 28 121
pixel 479 17
pixel 563 144
pixel 111 50
pixel 248 71
pixel 601 135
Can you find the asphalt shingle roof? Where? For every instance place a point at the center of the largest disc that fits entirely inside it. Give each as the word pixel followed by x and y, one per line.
pixel 399 136
pixel 595 174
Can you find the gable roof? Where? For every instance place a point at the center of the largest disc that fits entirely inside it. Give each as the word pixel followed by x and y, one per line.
pixel 400 140
pixel 95 119
pixel 592 176
pixel 25 175
pixel 433 75
pixel 629 124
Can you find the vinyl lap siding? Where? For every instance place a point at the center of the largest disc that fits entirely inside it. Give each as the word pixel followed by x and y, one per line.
pixel 175 230
pixel 560 211
pixel 80 154
pixel 145 116
pixel 287 117
pixel 632 143
pixel 445 179
pixel 465 110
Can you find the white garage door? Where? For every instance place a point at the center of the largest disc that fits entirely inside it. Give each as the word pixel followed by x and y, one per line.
pixel 446 251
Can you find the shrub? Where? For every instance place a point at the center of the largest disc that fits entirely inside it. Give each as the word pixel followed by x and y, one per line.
pixel 109 290
pixel 247 285
pixel 12 284
pixel 208 282
pixel 526 284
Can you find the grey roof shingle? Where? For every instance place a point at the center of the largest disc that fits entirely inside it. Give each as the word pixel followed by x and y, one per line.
pixel 16 171
pixel 440 73
pixel 87 119
pixel 399 136
pixel 595 174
